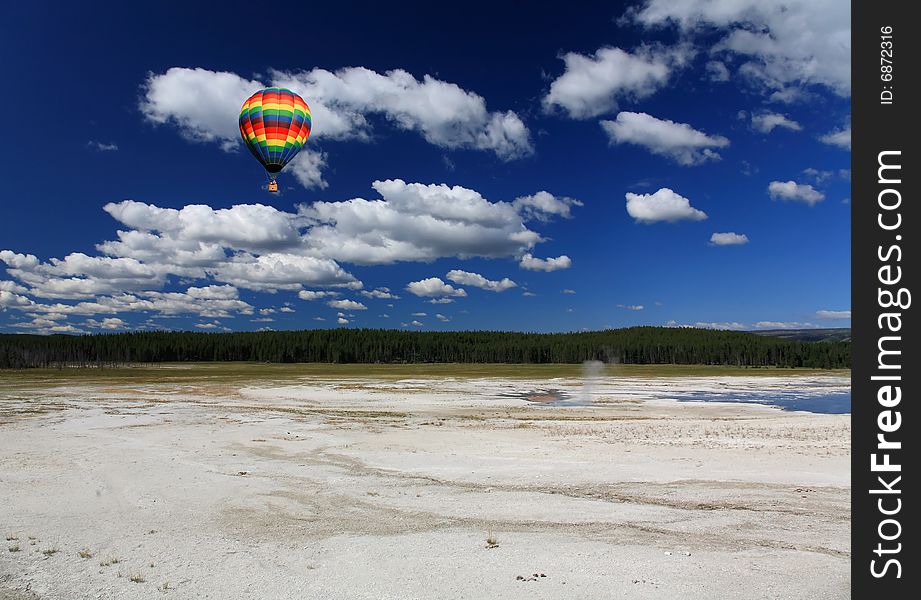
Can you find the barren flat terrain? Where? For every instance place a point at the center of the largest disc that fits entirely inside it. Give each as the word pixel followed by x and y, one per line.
pixel 319 481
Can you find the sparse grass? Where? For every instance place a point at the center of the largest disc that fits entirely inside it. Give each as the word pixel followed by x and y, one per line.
pixel 112 560
pixel 85 553
pixel 12 537
pixel 491 541
pixel 14 548
pixel 51 551
pixel 165 587
pixel 136 578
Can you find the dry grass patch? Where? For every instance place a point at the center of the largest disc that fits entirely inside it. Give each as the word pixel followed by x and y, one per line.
pixel 112 560
pixel 136 578
pixel 85 553
pixel 51 551
pixel 14 548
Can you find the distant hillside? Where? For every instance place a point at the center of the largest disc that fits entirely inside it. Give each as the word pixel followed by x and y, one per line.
pixel 837 334
pixel 634 345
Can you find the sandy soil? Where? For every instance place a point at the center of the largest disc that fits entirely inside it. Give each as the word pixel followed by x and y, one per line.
pixel 368 488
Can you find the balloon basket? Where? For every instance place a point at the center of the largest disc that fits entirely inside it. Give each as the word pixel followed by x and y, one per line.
pixel 273 187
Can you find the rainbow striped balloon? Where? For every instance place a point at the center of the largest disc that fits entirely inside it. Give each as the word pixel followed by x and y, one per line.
pixel 274 123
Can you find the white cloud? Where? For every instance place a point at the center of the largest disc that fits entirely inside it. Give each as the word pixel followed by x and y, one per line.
pixel 107 323
pixel 544 205
pixel 664 205
pixel 8 299
pixel 342 321
pixel 442 318
pixel 102 146
pixel 782 45
pixel 633 307
pixel 819 176
pixel 528 294
pixel 253 227
pixel 477 280
pixel 415 222
pixel 346 305
pixel 728 239
pixel 677 141
pixel 733 326
pixel 766 122
pixel 783 325
pixel 415 323
pixel 381 293
pixel 593 85
pixel 259 247
pixel 204 105
pixel 279 271
pixel 567 291
pixel 717 71
pixel 532 263
pixel 797 192
pixel 434 287
pixel 833 314
pixel 440 301
pixel 315 295
pixel 840 138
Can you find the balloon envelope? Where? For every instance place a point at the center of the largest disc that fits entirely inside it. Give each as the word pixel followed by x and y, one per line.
pixel 274 123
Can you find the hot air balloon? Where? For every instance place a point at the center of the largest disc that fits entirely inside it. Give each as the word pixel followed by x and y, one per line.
pixel 274 123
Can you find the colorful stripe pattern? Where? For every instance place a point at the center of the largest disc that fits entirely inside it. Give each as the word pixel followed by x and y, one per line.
pixel 274 123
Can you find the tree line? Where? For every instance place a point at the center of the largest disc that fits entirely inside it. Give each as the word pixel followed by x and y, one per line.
pixel 634 345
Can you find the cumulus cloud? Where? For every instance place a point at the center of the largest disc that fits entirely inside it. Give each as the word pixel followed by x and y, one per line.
pixel 593 85
pixel 477 280
pixel 416 222
pixel 567 291
pixel 434 287
pixel 781 46
pixel 213 301
pixel 204 105
pixel 106 323
pixel 728 239
pixel 833 314
pixel 346 305
pixel 281 271
pixel 766 122
pixel 664 205
pixel 532 263
pixel 381 293
pixel 840 138
pixel 796 192
pixel 342 321
pixel 442 318
pixel 677 141
pixel 8 299
pixel 262 248
pixel 315 295
pixel 544 205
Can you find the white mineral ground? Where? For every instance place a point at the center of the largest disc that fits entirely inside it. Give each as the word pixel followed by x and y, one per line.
pixel 373 488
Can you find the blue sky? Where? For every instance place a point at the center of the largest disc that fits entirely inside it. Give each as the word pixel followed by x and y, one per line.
pixel 470 167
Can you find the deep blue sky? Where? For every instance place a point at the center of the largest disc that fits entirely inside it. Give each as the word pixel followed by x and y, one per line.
pixel 75 79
